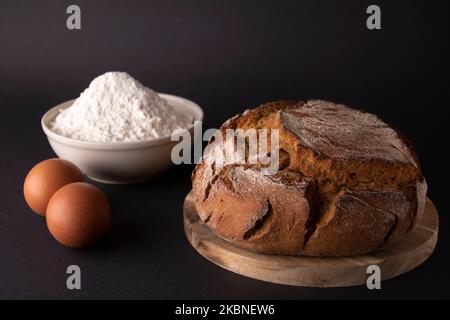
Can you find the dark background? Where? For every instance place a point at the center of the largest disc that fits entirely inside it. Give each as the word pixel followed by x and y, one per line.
pixel 227 56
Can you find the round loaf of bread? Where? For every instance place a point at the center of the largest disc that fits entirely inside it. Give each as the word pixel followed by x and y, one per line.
pixel 347 183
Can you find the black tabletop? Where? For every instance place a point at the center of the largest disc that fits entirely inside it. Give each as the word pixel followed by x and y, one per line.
pixel 226 56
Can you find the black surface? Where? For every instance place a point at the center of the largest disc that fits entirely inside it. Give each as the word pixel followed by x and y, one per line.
pixel 227 56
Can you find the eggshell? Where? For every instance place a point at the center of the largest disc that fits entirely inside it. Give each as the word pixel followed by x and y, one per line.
pixel 45 178
pixel 78 215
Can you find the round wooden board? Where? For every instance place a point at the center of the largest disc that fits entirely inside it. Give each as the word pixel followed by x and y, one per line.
pixel 313 271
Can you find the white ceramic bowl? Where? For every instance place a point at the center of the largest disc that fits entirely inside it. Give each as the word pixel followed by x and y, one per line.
pixel 119 162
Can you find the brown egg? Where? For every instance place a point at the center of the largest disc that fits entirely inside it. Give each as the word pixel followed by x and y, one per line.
pixel 78 215
pixel 45 179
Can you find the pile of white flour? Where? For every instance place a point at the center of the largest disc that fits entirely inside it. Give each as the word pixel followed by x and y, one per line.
pixel 117 108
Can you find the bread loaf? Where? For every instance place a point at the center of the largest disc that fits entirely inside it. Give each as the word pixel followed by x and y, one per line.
pixel 347 184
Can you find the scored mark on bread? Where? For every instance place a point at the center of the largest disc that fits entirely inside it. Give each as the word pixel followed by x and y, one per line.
pixel 211 183
pixel 261 224
pixel 391 230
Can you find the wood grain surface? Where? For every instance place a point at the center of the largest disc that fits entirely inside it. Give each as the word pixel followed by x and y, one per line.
pixel 313 271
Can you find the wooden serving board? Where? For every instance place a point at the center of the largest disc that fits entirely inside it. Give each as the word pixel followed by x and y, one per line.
pixel 313 271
